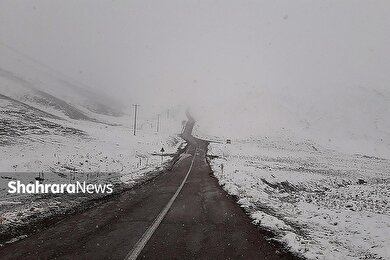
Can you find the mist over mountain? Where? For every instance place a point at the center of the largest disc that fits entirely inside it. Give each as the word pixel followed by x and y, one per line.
pixel 315 70
pixel 28 81
pixel 264 124
pixel 355 120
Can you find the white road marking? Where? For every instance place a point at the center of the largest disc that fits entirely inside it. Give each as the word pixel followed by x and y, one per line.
pixel 133 254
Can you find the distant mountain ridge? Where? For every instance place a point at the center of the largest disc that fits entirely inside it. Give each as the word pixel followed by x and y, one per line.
pixel 40 105
pixel 23 80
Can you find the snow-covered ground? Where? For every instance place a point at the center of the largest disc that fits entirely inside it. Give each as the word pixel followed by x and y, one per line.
pixel 53 129
pixel 311 163
pixel 103 154
pixel 320 203
pixel 73 150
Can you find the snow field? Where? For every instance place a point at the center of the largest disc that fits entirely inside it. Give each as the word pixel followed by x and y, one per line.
pixel 320 203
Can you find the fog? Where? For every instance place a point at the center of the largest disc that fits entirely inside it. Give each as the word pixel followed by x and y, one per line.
pixel 242 66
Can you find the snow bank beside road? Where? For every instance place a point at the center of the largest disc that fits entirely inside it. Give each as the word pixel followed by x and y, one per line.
pixel 322 204
pixel 103 154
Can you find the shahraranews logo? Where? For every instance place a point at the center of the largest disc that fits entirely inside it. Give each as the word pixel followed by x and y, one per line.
pixel 55 188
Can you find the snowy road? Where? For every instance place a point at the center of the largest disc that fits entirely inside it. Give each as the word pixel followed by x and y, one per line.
pixel 202 222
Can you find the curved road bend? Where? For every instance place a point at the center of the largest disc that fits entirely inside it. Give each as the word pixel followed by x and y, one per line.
pixel 200 222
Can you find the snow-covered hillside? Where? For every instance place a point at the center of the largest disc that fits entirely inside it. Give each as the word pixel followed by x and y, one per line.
pixel 50 125
pixel 28 81
pixel 320 203
pixel 313 167
pixel 351 119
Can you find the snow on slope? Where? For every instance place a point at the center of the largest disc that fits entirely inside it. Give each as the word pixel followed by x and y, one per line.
pixel 320 203
pixel 28 81
pixel 107 154
pixel 21 123
pixel 311 166
pixel 353 120
pixel 50 125
pixel 349 119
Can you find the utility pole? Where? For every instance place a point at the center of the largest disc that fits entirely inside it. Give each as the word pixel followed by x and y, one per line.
pixel 158 122
pixel 135 117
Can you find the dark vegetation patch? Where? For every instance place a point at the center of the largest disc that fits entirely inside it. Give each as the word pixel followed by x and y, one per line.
pixel 48 100
pixel 19 120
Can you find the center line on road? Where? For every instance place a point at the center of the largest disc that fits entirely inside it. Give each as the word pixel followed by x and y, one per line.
pixel 133 254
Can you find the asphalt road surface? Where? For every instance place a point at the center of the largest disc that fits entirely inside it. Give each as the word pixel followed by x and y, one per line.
pixel 181 214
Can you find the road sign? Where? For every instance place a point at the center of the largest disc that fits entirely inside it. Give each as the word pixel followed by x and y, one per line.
pixel 162 155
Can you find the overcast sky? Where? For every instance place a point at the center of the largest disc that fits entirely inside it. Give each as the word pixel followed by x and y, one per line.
pixel 208 53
